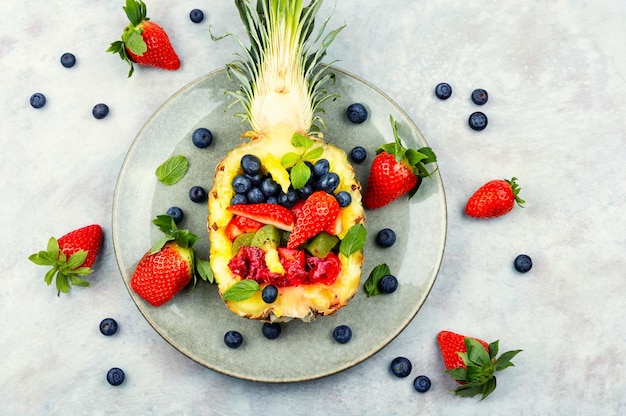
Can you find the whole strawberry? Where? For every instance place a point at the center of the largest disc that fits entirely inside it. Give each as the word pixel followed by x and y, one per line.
pixel 396 171
pixel 71 257
pixel 319 213
pixel 143 41
pixel 169 266
pixel 493 199
pixel 472 363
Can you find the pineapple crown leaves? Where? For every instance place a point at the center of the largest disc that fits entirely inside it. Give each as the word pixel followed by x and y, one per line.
pixel 415 159
pixel 131 37
pixel 64 271
pixel 183 239
pixel 275 27
pixel 479 375
pixel 515 188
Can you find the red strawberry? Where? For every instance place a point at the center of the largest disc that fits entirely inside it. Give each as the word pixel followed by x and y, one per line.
pixel 272 214
pixel 239 225
pixel 319 213
pixel 472 363
pixel 143 41
pixel 493 199
pixel 71 257
pixel 169 266
pixel 396 171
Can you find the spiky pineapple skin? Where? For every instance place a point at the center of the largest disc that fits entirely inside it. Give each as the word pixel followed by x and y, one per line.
pixel 304 302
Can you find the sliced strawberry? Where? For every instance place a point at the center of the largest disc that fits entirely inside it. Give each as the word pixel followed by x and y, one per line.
pixel 239 225
pixel 296 210
pixel 336 227
pixel 319 212
pixel 272 214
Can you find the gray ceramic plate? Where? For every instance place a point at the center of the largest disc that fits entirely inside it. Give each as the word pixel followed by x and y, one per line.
pixel 195 322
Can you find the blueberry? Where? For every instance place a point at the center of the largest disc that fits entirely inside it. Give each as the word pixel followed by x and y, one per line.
pixel 100 111
pixel 269 294
pixel 328 183
pixel 271 200
pixel 305 191
pixel 108 326
pixel 421 384
pixel 477 121
pixel 342 334
pixel 197 194
pixel 269 187
pixel 250 164
pixel 68 60
pixel 37 100
pixel 443 90
pixel 176 213
pixel 401 367
pixel 238 199
pixel 256 179
pixel 386 238
pixel 241 184
pixel 388 284
pixel 321 168
pixel 233 339
pixel 523 263
pixel 343 198
pixel 115 376
pixel 357 113
pixel 202 137
pixel 271 330
pixel 479 96
pixel 196 15
pixel 255 196
pixel 288 199
pixel 358 154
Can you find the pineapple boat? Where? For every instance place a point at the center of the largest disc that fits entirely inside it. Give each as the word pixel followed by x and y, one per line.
pixel 285 214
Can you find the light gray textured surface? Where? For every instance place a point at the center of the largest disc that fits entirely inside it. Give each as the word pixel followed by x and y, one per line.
pixel 555 74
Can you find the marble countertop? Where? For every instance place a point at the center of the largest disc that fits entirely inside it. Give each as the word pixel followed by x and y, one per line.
pixel 555 73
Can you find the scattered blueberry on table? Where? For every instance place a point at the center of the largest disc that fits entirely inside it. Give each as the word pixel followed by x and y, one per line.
pixel 479 96
pixel 233 339
pixel 386 238
pixel 196 15
pixel 421 384
pixel 477 121
pixel 523 263
pixel 358 154
pixel 388 284
pixel 342 334
pixel 37 100
pixel 68 60
pixel 100 111
pixel 176 213
pixel 443 90
pixel 202 137
pixel 401 367
pixel 197 194
pixel 108 326
pixel 271 330
pixel 357 113
pixel 115 376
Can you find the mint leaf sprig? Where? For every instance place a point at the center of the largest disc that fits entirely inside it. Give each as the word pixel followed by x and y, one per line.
pixel 300 171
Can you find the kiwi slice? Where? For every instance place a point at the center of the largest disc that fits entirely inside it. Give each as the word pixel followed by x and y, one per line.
pixel 321 244
pixel 244 239
pixel 267 236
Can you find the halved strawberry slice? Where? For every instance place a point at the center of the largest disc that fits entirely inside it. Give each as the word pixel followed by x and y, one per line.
pixel 272 214
pixel 239 225
pixel 319 213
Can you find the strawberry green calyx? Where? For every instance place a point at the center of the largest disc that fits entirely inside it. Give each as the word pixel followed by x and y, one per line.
pixel 515 189
pixel 65 271
pixel 480 366
pixel 416 159
pixel 131 37
pixel 185 240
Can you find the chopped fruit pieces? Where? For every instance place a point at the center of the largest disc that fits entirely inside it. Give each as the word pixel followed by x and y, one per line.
pixel 272 214
pixel 240 224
